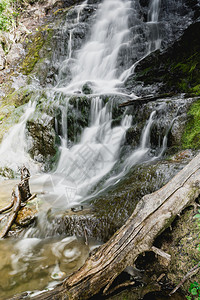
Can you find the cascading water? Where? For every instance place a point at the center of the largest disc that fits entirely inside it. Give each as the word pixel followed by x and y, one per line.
pixel 96 62
pixel 13 149
pixel 153 18
pixel 83 165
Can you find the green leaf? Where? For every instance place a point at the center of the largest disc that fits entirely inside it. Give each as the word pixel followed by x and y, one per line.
pixel 194 292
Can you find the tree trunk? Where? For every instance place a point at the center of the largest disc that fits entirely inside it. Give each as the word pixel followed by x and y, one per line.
pixel 153 214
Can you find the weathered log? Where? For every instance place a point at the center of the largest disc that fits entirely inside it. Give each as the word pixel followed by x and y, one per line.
pixel 149 98
pixel 153 214
pixel 16 196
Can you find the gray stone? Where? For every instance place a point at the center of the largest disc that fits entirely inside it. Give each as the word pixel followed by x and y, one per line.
pixel 15 53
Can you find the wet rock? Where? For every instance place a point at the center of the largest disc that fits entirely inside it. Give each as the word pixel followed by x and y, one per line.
pixel 26 216
pixel 83 223
pixel 87 89
pixel 41 140
pixel 175 69
pixel 7 173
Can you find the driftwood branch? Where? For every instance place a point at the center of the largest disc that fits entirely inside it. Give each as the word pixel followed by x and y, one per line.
pixel 153 214
pixel 21 193
pixel 16 195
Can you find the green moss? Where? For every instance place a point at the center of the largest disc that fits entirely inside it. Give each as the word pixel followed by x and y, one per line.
pixel 191 135
pixel 19 97
pixel 177 68
pixel 32 55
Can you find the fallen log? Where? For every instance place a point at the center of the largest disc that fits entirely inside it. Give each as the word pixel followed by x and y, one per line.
pixel 153 214
pixel 149 98
pixel 146 99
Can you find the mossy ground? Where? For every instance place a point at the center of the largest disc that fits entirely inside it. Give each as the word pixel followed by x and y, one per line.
pixel 191 135
pixel 182 242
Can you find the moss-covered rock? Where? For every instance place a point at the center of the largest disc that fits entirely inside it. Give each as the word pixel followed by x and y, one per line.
pixel 32 56
pixel 191 135
pixel 117 204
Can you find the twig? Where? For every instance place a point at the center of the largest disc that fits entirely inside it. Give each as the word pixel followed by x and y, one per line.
pixel 122 285
pixel 86 239
pixel 189 274
pixel 32 197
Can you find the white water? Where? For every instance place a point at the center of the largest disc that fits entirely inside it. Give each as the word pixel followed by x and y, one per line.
pixel 153 20
pixel 86 163
pixel 96 61
pixel 139 155
pixel 13 149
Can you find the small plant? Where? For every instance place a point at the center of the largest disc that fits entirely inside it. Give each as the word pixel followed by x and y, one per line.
pixel 194 290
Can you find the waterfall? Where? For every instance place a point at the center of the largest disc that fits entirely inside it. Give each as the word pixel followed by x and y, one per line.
pixel 96 61
pixel 153 13
pixel 146 132
pixel 82 166
pixel 13 147
pixel 95 64
pixel 153 22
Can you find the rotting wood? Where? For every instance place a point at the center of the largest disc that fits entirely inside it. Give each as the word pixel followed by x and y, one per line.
pixel 161 253
pixel 153 214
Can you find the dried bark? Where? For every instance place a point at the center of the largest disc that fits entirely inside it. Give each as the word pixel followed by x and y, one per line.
pixel 153 214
